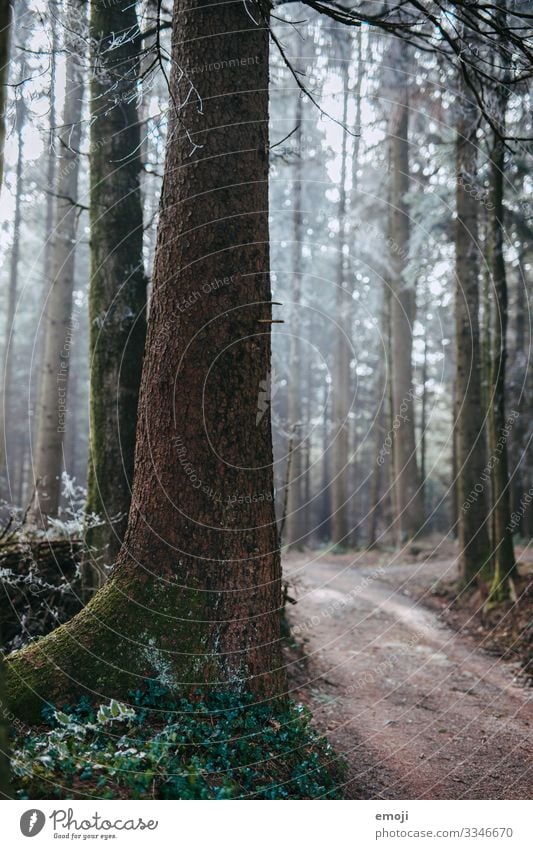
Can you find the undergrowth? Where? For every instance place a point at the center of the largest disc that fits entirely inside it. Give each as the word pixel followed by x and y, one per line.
pixel 225 747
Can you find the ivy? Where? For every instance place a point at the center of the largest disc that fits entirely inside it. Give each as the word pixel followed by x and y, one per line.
pixel 220 747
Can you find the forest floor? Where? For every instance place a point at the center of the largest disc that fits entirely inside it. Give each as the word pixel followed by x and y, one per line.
pixel 399 682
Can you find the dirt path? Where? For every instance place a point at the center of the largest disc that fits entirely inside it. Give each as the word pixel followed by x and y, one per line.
pixel 417 710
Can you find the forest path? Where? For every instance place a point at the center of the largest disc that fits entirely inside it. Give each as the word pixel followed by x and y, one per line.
pixel 416 709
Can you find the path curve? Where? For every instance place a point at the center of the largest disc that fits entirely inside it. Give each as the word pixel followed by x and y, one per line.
pixel 417 710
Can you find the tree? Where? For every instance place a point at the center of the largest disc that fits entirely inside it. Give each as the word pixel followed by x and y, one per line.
pixel 53 392
pixel 341 377
pixel 5 31
pixel 117 292
pixel 504 564
pixel 403 306
pixel 194 600
pixel 474 547
pixel 6 418
pixel 295 500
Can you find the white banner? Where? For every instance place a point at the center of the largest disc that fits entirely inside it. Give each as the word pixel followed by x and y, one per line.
pixel 254 824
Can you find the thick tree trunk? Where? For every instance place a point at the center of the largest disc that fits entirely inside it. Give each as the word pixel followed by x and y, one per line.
pixel 340 519
pixel 403 306
pixel 58 328
pixel 503 557
pixel 472 472
pixel 195 598
pixel 117 291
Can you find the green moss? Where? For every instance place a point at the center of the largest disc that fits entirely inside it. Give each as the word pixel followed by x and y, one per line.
pixel 223 747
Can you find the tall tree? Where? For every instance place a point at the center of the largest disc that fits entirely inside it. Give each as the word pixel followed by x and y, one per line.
pixel 117 292
pixel 474 546
pixel 503 552
pixel 340 520
pixel 403 306
pixel 194 600
pixel 5 34
pixel 294 521
pixel 58 330
pixel 8 354
pixel 5 31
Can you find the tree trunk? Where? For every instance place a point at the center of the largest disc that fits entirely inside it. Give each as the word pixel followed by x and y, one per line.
pixel 294 524
pixel 403 305
pixel 194 600
pixel 5 35
pixel 117 291
pixel 381 407
pixel 5 30
pixel 504 560
pixel 341 380
pixel 51 203
pixel 8 354
pixel 59 330
pixel 472 473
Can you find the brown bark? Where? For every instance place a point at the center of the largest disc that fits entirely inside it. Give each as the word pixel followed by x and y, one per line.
pixel 117 290
pixel 472 474
pixel 503 552
pixel 195 598
pixel 403 307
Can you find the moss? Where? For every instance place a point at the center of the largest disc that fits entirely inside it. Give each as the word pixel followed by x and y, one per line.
pixel 117 642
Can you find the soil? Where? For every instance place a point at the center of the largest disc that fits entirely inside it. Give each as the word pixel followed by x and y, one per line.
pixel 400 680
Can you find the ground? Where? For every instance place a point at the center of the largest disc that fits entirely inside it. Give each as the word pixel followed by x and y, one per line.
pixel 418 708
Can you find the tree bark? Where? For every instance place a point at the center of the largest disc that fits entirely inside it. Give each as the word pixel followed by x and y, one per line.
pixel 194 600
pixel 341 375
pixel 504 563
pixel 8 354
pixel 294 517
pixel 5 36
pixel 117 291
pixel 472 473
pixel 403 306
pixel 59 329
pixel 5 32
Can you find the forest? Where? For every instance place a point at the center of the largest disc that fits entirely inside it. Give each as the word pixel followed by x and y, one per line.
pixel 266 473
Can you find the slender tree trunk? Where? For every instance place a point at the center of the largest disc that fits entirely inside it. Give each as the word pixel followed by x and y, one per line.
pixel 294 517
pixel 379 439
pixel 59 331
pixel 504 559
pixel 325 518
pixel 423 422
pixel 117 292
pixel 194 600
pixel 341 380
pixel 519 369
pixel 6 417
pixel 5 31
pixel 403 307
pixel 51 203
pixel 5 36
pixel 472 473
